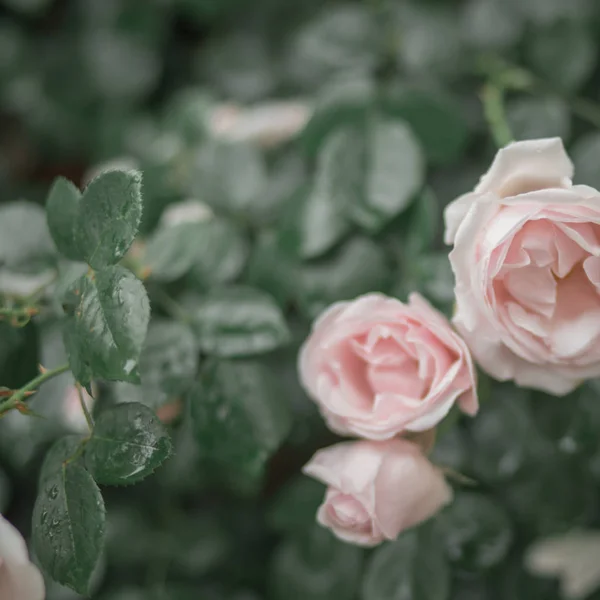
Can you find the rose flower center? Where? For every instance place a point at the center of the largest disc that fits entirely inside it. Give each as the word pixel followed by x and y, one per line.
pixel 546 283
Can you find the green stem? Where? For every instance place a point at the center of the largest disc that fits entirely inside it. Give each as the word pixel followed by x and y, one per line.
pixel 84 408
pixel 18 397
pixel 492 97
pixel 517 78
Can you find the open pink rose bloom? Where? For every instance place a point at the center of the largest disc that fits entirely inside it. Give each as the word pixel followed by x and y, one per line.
pixel 377 367
pixel 527 263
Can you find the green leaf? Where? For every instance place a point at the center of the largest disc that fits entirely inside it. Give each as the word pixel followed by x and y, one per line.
pixel 213 181
pixel 357 267
pixel 531 118
pixel 568 70
pixel 429 41
pixel 62 206
pixel 270 269
pixel 506 417
pixel 295 506
pixel 322 569
pixel 395 174
pixel 373 175
pixel 339 40
pixel 129 443
pixel 450 449
pixel 215 250
pixel 239 321
pixel 65 449
pixel 554 496
pixel 429 274
pixel 435 119
pixel 314 222
pixel 544 12
pixel 169 359
pixel 25 241
pixel 73 345
pixel 422 224
pixel 68 526
pixel 492 24
pixel 109 216
pixel 476 531
pixel 240 417
pixel 111 318
pixel 340 104
pixel 411 568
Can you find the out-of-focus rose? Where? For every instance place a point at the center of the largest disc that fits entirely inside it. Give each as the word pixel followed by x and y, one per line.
pixel 376 489
pixel 526 259
pixel 19 578
pixel 72 412
pixel 267 124
pixel 377 367
pixel 572 557
pixel 188 211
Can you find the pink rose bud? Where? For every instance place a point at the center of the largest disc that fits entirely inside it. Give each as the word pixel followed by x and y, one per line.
pixel 376 489
pixel 19 578
pixel 527 263
pixel 377 367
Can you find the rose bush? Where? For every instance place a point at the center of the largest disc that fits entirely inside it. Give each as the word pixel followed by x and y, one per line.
pixel 526 257
pixel 377 367
pixel 288 157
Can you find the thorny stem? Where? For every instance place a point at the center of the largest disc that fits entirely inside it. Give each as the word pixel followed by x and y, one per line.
pixel 18 317
pixel 17 398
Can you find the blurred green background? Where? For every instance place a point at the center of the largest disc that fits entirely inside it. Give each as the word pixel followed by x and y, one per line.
pixel 266 112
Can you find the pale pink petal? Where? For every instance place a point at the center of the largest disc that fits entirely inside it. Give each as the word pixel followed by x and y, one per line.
pixel 408 489
pixel 591 266
pixel 351 536
pixel 19 578
pixel 455 213
pixel 534 288
pixel 527 165
pixel 541 377
pixel 576 323
pixel 431 418
pixel 12 546
pixel 583 234
pixel 349 467
pixel 21 582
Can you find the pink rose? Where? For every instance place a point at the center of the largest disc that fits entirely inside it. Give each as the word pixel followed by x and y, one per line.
pixel 376 489
pixel 378 367
pixel 19 578
pixel 527 263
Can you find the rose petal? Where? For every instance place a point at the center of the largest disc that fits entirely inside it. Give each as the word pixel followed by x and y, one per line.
pixel 408 489
pixel 527 165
